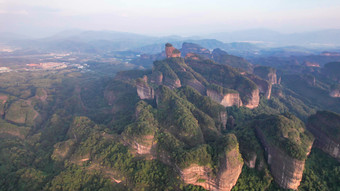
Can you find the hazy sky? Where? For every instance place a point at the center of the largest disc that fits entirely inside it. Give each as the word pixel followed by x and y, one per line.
pixel 158 17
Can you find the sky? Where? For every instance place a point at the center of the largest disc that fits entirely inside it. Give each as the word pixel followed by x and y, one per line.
pixel 172 17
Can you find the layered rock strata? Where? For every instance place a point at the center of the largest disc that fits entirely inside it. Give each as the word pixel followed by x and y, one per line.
pixel 324 126
pixel 287 171
pixel 226 178
pixel 144 91
pixel 227 100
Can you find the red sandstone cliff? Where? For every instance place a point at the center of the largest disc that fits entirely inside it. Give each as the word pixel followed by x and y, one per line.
pixel 144 91
pixel 227 100
pixel 323 126
pixel 226 178
pixel 254 100
pixel 171 52
pixel 287 171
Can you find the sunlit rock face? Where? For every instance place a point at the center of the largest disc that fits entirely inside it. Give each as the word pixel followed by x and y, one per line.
pixel 144 91
pixel 254 100
pixel 171 52
pixel 266 73
pixel 265 87
pixel 226 178
pixel 227 100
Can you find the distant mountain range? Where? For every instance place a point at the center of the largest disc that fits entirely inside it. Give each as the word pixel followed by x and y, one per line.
pixel 323 38
pixel 242 43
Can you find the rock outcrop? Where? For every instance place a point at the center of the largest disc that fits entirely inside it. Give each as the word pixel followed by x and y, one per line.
pixel 266 73
pixel 325 127
pixel 287 144
pixel 264 86
pixel 227 100
pixel 171 52
pixel 144 91
pixel 254 99
pixel 230 169
pixel 287 172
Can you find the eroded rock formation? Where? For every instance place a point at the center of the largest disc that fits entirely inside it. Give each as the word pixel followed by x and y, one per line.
pixel 254 99
pixel 224 180
pixel 266 73
pixel 287 171
pixel 264 86
pixel 144 91
pixel 324 125
pixel 171 52
pixel 227 100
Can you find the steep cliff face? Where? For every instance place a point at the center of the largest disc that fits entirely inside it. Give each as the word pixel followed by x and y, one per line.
pixel 287 172
pixel 227 100
pixel 254 99
pixel 286 143
pixel 171 52
pixel 264 86
pixel 230 168
pixel 163 73
pixel 227 77
pixel 266 73
pixel 144 91
pixel 200 176
pixel 325 127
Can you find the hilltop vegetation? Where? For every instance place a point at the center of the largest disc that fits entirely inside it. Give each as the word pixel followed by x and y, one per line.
pixel 71 130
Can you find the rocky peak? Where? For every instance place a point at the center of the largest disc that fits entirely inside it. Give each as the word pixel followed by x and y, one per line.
pixel 196 49
pixel 171 52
